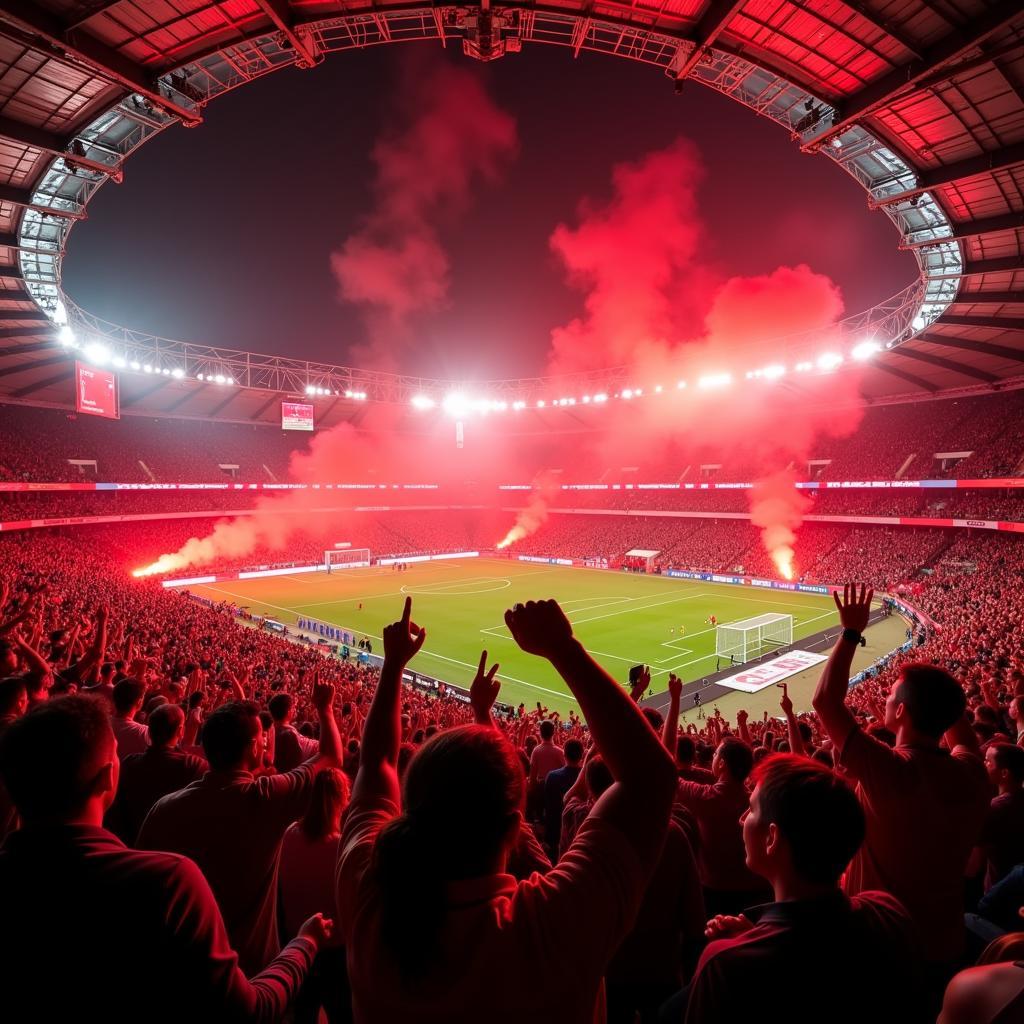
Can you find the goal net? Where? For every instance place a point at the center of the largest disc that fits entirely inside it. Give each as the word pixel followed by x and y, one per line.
pixel 750 638
pixel 346 558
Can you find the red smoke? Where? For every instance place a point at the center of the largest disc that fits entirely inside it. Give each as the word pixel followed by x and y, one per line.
pixel 395 266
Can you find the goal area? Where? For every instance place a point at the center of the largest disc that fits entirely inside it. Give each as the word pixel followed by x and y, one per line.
pixel 346 558
pixel 750 638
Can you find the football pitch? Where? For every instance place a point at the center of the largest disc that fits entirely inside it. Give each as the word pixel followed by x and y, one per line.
pixel 623 619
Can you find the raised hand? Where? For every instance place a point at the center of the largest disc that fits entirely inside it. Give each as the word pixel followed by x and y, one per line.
pixel 741 717
pixel 404 638
pixel 484 690
pixel 323 694
pixel 854 611
pixel 724 926
pixel 784 702
pixel 318 928
pixel 540 627
pixel 675 686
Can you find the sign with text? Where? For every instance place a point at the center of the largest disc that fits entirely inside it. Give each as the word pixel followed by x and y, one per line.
pixel 96 392
pixel 750 680
pixel 296 416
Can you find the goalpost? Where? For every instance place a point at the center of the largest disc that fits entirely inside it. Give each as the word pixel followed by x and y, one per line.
pixel 749 638
pixel 346 558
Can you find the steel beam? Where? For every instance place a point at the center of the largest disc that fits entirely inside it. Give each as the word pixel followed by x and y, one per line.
pixel 77 45
pixel 23 197
pixel 279 12
pixel 966 345
pixel 994 323
pixel 905 79
pixel 946 364
pixel 988 298
pixel 710 25
pixel 972 229
pixel 910 378
pixel 56 378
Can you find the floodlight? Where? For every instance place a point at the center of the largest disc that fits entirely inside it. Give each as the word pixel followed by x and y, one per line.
pixel 865 350
pixel 917 323
pixel 715 380
pixel 422 402
pixel 119 363
pixel 97 353
pixel 147 368
pixel 773 372
pixel 829 361
pixel 681 385
pixel 627 393
pixel 135 366
pixel 602 397
pixel 177 373
pixel 66 336
pixel 540 403
pixel 456 404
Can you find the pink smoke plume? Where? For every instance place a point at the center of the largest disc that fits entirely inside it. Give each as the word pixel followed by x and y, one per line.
pixel 395 266
pixel 778 508
pixel 530 519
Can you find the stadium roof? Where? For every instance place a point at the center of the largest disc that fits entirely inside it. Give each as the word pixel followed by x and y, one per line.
pixel 922 101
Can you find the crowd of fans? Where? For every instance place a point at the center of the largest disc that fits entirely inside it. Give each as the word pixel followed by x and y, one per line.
pixel 964 438
pixel 206 821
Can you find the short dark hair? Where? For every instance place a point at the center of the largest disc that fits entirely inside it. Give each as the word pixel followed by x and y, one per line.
pixel 934 700
pixel 738 757
pixel 11 690
pixel 547 729
pixel 164 722
pixel 573 751
pixel 127 694
pixel 815 810
pixel 598 775
pixel 228 732
pixel 49 755
pixel 686 749
pixel 279 706
pixel 1011 758
pixel 654 718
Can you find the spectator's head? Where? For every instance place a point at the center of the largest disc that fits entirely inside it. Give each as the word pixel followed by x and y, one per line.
pixel 804 822
pixel 233 737
pixel 59 762
pixel 686 751
pixel 733 760
pixel 573 751
pixel 925 700
pixel 8 658
pixel 598 776
pixel 128 697
pixel 166 726
pixel 547 729
pixel 462 801
pixel 654 719
pixel 1005 765
pixel 281 708
pixel 13 697
pixel 329 799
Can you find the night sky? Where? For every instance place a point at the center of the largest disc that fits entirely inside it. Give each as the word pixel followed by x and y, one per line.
pixel 223 234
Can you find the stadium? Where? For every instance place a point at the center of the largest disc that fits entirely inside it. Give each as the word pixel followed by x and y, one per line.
pixel 490 532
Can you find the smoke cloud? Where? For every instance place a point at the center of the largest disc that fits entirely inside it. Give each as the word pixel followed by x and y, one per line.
pixel 395 265
pixel 778 509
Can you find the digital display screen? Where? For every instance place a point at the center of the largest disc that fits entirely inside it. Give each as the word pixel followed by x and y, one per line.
pixel 296 416
pixel 96 392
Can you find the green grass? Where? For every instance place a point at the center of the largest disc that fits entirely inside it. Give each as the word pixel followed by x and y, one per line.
pixel 621 618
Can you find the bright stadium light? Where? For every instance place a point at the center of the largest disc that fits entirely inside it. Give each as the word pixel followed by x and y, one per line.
pixel 627 393
pixel 220 379
pixel 66 336
pixel 773 372
pixel 310 390
pixel 518 404
pixel 917 323
pixel 177 373
pixel 715 380
pixel 119 363
pixel 97 353
pixel 657 389
pixel 803 367
pixel 146 368
pixel 456 404
pixel 681 385
pixel 599 398
pixel 540 403
pixel 135 366
pixel 423 402
pixel 865 350
pixel 829 361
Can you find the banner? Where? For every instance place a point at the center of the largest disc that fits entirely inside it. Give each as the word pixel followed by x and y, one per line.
pixel 296 416
pixel 767 673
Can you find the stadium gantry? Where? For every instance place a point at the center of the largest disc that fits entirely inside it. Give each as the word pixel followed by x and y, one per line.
pixel 921 101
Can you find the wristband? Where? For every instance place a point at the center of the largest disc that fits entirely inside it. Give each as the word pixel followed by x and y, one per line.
pixel 852 636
